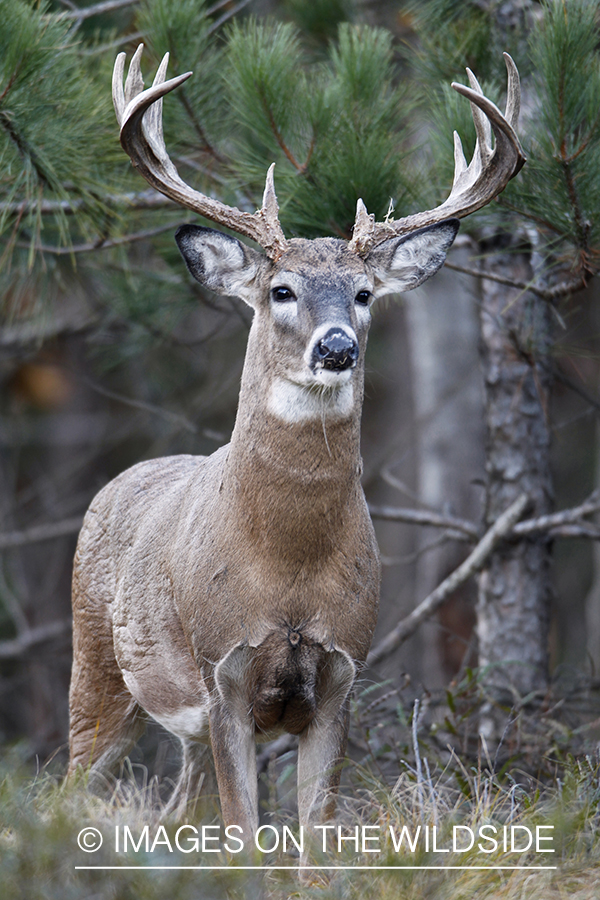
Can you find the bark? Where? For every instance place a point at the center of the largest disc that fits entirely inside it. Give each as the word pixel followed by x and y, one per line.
pixel 448 398
pixel 514 587
pixel 592 601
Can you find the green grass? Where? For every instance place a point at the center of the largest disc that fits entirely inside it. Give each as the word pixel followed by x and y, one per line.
pixel 41 817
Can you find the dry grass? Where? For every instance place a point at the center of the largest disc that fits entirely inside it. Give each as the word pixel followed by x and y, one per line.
pixel 41 818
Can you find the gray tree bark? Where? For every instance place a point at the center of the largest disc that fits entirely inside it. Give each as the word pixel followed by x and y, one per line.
pixel 448 397
pixel 514 588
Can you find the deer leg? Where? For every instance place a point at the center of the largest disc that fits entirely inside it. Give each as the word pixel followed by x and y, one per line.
pixel 232 736
pixel 322 746
pixel 321 753
pixel 105 722
pixel 234 752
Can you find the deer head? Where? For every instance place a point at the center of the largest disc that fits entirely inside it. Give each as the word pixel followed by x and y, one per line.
pixel 315 295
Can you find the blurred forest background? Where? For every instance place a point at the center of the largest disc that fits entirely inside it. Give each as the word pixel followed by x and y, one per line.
pixel 111 354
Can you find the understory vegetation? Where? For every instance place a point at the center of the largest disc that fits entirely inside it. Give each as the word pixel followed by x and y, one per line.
pixel 39 854
pixel 426 811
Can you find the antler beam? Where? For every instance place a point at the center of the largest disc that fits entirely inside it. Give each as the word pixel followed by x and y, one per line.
pixel 139 113
pixel 474 185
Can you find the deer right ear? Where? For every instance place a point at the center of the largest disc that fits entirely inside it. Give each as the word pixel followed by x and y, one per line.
pixel 220 262
pixel 403 263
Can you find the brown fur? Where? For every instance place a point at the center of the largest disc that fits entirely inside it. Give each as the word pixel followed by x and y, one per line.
pixel 234 596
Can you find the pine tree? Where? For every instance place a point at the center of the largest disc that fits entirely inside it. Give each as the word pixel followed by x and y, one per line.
pixel 537 245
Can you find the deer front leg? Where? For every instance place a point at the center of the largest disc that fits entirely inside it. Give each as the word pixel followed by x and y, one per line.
pixel 322 746
pixel 321 753
pixel 233 745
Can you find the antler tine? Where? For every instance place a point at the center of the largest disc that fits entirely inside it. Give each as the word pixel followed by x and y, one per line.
pixel 513 93
pixel 134 83
pixel 483 129
pixel 139 113
pixel 118 94
pixel 474 185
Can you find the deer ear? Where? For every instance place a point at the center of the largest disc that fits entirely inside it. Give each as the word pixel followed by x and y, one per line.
pixel 220 262
pixel 403 263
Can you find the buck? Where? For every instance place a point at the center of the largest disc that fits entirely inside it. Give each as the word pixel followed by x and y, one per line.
pixel 234 597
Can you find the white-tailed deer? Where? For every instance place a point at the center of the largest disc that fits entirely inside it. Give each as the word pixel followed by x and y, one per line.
pixel 234 596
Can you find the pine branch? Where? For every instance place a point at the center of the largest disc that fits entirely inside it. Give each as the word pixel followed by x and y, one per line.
pixel 472 564
pixel 26 150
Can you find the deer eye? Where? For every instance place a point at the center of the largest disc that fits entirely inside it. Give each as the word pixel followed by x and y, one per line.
pixel 363 297
pixel 281 294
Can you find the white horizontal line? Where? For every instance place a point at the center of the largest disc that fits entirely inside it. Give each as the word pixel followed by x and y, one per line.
pixel 320 868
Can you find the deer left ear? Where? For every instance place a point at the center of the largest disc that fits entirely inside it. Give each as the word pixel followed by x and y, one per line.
pixel 220 262
pixel 405 262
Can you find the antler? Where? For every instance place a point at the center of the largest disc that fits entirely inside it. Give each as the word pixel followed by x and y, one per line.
pixel 139 113
pixel 474 185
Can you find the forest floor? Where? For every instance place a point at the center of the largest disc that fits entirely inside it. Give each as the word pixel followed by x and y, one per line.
pixel 456 831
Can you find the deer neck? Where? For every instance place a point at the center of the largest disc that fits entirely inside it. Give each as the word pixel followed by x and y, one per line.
pixel 291 429
pixel 298 479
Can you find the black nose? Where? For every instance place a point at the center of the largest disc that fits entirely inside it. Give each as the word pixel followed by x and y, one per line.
pixel 337 350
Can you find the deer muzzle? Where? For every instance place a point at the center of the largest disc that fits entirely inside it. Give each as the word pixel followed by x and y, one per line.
pixel 336 351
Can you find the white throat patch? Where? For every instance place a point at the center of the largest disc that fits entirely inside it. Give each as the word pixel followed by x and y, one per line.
pixel 295 403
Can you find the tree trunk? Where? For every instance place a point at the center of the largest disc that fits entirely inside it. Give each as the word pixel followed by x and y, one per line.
pixel 514 587
pixel 443 327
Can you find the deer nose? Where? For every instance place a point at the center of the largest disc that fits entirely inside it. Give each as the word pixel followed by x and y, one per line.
pixel 337 350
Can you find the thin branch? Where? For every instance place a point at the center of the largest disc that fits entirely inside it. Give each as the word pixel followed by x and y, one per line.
pixel 279 138
pixel 149 199
pixel 556 520
pixel 216 7
pixel 182 421
pixel 129 38
pixel 407 626
pixel 176 418
pixel 86 12
pixel 18 647
pixel 570 286
pixel 467 530
pixel 399 485
pixel 545 223
pixel 39 533
pixel 226 16
pixel 277 748
pixel 100 244
pixel 15 337
pixel 578 388
pixel 566 523
pixel 491 276
pixel 562 289
pixel 575 531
